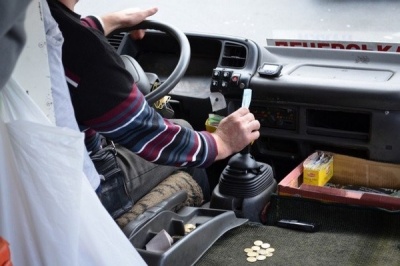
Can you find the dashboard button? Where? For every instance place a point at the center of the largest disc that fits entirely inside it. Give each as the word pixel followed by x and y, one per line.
pixel 235 79
pixel 216 73
pixel 226 75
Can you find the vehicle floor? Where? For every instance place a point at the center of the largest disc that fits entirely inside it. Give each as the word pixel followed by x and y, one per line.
pixel 347 235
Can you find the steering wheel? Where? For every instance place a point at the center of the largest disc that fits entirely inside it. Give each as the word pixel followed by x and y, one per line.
pixel 138 73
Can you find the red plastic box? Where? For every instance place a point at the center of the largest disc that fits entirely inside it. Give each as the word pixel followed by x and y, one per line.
pixel 349 171
pixel 5 256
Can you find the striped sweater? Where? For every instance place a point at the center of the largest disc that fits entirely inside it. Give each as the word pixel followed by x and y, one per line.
pixel 107 101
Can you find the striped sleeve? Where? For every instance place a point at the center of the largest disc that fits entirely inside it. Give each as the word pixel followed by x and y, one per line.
pixel 137 126
pixel 93 22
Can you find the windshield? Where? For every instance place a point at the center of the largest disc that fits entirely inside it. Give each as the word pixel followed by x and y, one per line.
pixel 338 20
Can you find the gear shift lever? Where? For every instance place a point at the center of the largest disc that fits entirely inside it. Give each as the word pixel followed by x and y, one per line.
pixel 245 185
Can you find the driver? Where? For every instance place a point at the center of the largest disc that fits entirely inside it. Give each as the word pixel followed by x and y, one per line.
pixel 106 101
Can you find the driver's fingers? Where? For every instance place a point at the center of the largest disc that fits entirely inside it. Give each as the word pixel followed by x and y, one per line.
pixel 133 16
pixel 138 16
pixel 137 34
pixel 150 11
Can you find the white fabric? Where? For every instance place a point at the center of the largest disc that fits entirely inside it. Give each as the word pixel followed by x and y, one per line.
pixel 63 108
pixel 49 213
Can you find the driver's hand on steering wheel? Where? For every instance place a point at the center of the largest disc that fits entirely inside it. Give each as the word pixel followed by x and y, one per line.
pixel 127 18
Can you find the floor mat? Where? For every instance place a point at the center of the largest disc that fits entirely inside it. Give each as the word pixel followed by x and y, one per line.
pixel 347 235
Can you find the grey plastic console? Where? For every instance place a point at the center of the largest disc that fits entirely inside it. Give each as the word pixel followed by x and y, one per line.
pixel 186 249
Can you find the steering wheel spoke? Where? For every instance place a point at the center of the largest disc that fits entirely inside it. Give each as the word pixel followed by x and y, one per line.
pixel 177 73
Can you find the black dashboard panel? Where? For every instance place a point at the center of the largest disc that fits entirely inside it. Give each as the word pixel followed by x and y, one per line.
pixel 161 60
pixel 333 77
pixel 341 101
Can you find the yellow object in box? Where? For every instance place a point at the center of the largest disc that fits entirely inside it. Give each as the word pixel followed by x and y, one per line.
pixel 210 128
pixel 212 122
pixel 318 168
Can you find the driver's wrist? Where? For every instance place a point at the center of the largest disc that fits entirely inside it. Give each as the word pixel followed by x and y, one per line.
pixel 223 149
pixel 110 23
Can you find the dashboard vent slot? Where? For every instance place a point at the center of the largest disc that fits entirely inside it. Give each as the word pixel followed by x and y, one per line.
pixel 234 55
pixel 116 39
pixel 346 125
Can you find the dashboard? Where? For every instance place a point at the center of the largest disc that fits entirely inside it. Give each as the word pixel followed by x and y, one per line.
pixel 344 101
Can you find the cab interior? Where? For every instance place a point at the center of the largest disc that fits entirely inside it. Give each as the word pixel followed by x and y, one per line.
pixel 306 99
pixel 344 101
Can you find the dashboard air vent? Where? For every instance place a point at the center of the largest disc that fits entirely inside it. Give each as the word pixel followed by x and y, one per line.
pixel 116 39
pixel 234 55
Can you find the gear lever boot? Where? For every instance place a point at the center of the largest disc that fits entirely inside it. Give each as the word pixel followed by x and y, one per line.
pixel 245 186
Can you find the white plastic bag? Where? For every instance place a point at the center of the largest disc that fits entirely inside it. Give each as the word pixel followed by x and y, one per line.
pixel 49 213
